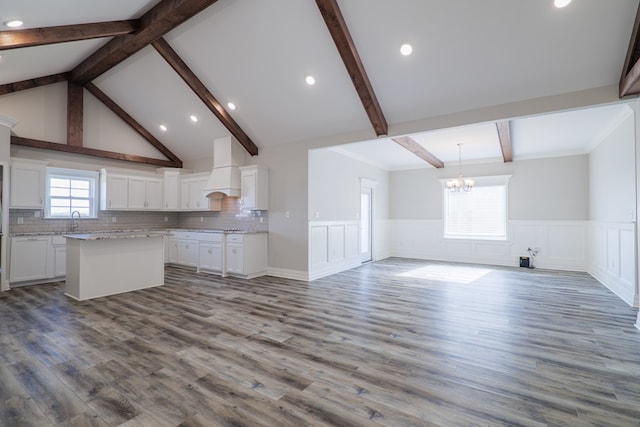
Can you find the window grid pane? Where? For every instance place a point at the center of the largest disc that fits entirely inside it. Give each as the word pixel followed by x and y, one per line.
pixel 72 193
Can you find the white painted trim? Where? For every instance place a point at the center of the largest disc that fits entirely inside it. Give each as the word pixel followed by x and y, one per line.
pixel 286 273
pixel 7 121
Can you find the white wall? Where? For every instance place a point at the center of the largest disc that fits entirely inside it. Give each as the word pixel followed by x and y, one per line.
pixel 334 211
pixel 548 209
pixel 612 207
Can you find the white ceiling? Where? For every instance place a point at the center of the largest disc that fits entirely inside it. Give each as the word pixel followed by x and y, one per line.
pixel 467 55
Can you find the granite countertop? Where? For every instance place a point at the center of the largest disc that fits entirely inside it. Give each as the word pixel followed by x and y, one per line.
pixel 115 235
pixel 70 234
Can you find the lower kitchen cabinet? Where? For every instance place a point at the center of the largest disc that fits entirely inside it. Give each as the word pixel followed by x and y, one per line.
pixel 211 258
pixel 30 258
pixel 59 245
pixel 246 255
pixel 188 253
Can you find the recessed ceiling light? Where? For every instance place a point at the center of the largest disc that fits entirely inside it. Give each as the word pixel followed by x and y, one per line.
pixel 406 49
pixel 561 3
pixel 310 80
pixel 231 105
pixel 14 24
pixel 163 128
pixel 193 118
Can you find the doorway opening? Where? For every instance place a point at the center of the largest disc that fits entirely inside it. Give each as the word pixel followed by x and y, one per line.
pixel 366 217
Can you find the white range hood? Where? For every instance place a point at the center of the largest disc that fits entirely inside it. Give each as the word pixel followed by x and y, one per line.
pixel 228 155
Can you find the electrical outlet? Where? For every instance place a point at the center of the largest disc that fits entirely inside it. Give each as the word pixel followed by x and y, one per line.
pixel 166 219
pixel 114 219
pixel 20 220
pixel 201 219
pixel 36 214
pixel 287 214
pixel 261 220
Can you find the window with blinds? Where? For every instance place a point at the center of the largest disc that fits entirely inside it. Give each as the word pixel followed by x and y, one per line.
pixel 71 190
pixel 478 214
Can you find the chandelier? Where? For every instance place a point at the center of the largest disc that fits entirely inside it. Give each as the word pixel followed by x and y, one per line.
pixel 460 184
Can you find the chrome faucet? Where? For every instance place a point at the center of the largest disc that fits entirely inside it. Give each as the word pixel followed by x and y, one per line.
pixel 75 224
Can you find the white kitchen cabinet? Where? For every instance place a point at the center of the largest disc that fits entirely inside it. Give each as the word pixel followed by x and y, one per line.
pixel 59 246
pixel 246 255
pixel 27 185
pixel 144 193
pixel 114 191
pixel 30 258
pixel 188 252
pixel 211 257
pixel 254 187
pixel 171 250
pixel 192 197
pixel 171 190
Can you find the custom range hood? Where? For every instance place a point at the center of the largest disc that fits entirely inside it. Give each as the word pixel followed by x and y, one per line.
pixel 224 180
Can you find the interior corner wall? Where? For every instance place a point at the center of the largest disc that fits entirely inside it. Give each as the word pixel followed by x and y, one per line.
pixel 334 211
pixel 548 209
pixel 612 210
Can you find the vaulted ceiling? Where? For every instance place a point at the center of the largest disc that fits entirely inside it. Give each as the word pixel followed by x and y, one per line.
pixel 159 62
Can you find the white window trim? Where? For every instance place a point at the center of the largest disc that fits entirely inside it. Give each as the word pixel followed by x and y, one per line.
pixel 62 172
pixel 479 181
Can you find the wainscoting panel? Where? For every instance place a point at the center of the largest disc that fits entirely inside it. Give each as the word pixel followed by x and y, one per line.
pixel 612 255
pixel 561 244
pixel 334 246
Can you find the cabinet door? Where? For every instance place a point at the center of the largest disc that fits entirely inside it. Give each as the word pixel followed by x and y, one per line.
pixel 154 194
pixel 29 259
pixel 171 252
pixel 59 261
pixel 171 189
pixel 27 186
pixel 210 256
pixel 117 190
pixel 235 258
pixel 137 189
pixel 248 190
pixel 197 200
pixel 184 195
pixel 188 253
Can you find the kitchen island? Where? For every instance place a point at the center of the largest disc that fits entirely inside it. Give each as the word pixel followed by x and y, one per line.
pixel 101 264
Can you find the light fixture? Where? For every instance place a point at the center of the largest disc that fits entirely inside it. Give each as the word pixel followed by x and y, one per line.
pixel 14 23
pixel 163 128
pixel 194 118
pixel 561 3
pixel 310 80
pixel 231 105
pixel 406 49
pixel 460 184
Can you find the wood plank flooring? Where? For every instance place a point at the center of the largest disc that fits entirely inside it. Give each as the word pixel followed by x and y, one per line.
pixel 393 343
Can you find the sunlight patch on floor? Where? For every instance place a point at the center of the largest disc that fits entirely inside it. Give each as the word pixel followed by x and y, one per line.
pixel 447 273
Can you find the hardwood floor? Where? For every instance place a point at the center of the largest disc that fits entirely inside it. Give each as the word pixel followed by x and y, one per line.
pixel 396 342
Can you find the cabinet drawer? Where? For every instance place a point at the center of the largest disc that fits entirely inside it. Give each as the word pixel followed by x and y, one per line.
pixel 209 237
pixel 235 238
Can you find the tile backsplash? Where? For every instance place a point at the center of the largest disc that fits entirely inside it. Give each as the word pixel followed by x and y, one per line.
pixel 232 216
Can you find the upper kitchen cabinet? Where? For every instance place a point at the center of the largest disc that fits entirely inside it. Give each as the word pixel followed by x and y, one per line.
pixel 192 196
pixel 171 189
pixel 114 191
pixel 254 187
pixel 27 186
pixel 144 193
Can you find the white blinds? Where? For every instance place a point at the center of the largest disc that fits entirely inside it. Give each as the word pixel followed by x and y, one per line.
pixel 478 214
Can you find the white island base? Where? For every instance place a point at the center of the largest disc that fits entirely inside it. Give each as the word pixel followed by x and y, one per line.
pixel 104 264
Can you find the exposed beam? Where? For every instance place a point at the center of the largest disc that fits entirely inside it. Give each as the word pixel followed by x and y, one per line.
pixel 504 136
pixel 111 104
pixel 203 93
pixel 417 149
pixel 630 78
pixel 45 145
pixel 32 83
pixel 346 47
pixel 64 33
pixel 75 104
pixel 158 21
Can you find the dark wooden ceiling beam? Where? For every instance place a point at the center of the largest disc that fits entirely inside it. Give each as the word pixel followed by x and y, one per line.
pixel 14 39
pixel 417 149
pixel 118 111
pixel 504 136
pixel 346 47
pixel 33 83
pixel 45 145
pixel 203 93
pixel 158 21
pixel 75 115
pixel 630 78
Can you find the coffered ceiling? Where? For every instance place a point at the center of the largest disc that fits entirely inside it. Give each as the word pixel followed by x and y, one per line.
pixel 467 55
